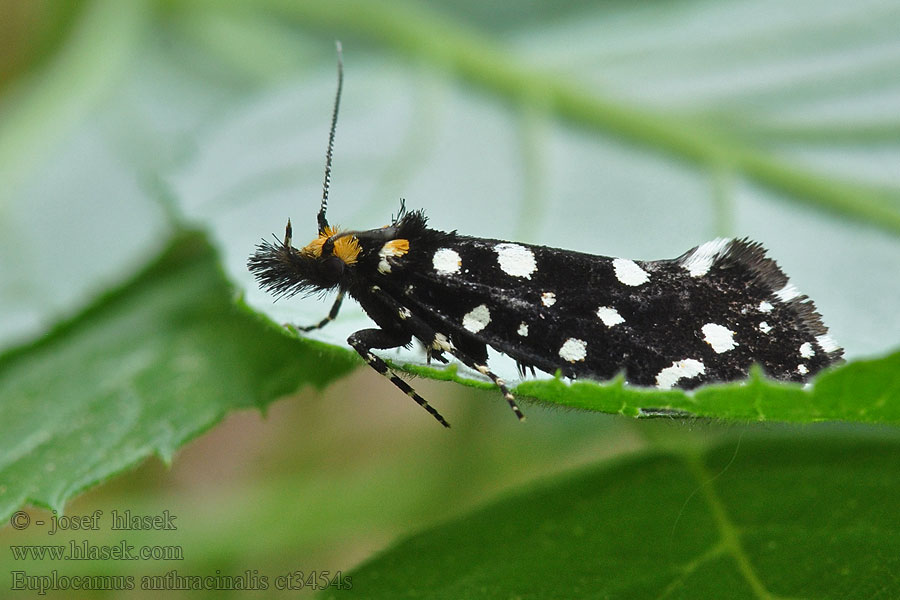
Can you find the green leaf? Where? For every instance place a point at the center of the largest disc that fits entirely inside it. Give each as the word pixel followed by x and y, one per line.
pixel 865 391
pixel 615 129
pixel 742 167
pixel 756 518
pixel 141 371
pixel 51 103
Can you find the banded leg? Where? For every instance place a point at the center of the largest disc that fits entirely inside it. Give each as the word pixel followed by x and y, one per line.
pixel 500 383
pixel 439 343
pixel 435 344
pixel 332 314
pixel 364 340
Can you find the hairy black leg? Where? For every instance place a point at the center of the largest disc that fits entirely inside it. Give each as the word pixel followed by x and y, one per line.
pixel 437 343
pixel 364 340
pixel 434 343
pixel 332 314
pixel 411 323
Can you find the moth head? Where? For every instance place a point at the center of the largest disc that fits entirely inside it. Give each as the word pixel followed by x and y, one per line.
pixel 319 266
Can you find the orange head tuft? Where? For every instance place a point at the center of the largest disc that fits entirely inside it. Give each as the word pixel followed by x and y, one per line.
pixel 346 248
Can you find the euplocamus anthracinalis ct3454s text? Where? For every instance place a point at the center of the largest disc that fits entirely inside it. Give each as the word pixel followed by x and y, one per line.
pixel 705 316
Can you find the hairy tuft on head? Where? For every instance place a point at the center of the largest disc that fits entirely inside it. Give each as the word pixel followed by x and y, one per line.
pixel 285 271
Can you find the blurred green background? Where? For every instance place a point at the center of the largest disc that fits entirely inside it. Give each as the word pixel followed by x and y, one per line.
pixel 608 127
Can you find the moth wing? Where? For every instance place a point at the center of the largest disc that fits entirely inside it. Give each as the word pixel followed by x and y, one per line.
pixel 706 315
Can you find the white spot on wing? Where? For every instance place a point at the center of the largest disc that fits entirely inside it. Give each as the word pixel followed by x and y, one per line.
pixel 515 260
pixel 573 350
pixel 477 319
pixel 704 257
pixel 548 298
pixel 806 350
pixel 404 313
pixel 787 293
pixel 446 261
pixel 765 307
pixel 523 329
pixel 628 272
pixel 802 369
pixel 680 369
pixel 719 337
pixel 765 327
pixel 609 316
pixel 827 343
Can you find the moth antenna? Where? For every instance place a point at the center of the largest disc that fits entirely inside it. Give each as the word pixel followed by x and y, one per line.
pixel 322 221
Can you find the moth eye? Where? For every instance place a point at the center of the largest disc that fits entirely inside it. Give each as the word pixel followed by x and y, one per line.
pixel 331 269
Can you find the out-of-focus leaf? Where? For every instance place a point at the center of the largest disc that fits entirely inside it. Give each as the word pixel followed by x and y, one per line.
pixel 801 518
pixel 141 371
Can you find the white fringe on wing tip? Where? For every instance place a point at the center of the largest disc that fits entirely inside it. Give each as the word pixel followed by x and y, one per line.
pixel 704 256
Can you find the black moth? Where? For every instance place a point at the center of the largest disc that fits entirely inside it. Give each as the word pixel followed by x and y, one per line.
pixel 705 316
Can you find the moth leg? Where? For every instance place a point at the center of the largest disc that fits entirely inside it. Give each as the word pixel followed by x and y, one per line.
pixel 332 314
pixel 364 340
pixel 500 383
pixel 437 355
pixel 523 369
pixel 437 343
